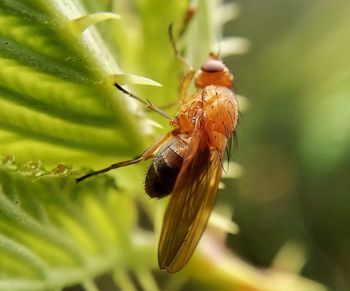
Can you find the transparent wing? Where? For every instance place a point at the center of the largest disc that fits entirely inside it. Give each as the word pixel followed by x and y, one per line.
pixel 189 206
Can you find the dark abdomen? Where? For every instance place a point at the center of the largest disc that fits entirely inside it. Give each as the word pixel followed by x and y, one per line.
pixel 165 167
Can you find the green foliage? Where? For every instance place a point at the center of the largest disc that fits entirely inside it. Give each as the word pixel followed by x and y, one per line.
pixel 54 232
pixel 56 102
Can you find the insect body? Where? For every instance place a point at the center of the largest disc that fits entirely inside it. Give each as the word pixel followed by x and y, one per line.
pixel 188 162
pixel 208 120
pixel 165 167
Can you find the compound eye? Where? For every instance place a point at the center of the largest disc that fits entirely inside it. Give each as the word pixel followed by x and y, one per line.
pixel 213 66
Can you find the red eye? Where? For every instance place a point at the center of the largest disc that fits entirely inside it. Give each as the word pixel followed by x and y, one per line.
pixel 213 66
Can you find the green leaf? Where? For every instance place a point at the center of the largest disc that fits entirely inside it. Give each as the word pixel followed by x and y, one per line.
pixel 56 99
pixel 83 22
pixel 54 233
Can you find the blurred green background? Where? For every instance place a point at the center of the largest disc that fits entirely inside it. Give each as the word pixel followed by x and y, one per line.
pixel 294 139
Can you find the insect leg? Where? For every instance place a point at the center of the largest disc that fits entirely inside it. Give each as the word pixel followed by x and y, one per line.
pixel 148 153
pixel 176 51
pixel 190 12
pixel 111 167
pixel 189 75
pixel 186 82
pixel 146 102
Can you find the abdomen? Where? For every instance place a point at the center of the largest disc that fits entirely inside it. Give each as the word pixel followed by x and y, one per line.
pixel 165 167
